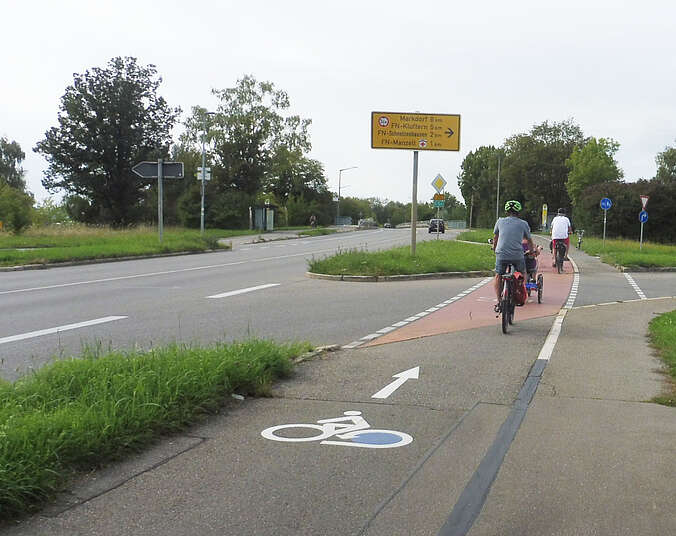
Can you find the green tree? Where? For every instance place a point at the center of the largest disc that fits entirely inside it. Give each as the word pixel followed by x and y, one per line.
pixel 15 208
pixel 478 184
pixel 50 212
pixel 594 163
pixel 666 166
pixel 534 169
pixel 11 156
pixel 110 119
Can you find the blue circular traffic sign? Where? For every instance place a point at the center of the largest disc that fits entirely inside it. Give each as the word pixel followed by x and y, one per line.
pixel 606 203
pixel 643 216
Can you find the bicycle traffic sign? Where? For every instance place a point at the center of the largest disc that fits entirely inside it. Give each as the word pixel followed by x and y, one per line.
pixel 606 203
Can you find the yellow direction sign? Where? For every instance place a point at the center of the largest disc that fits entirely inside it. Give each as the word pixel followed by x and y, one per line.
pixel 414 131
pixel 438 197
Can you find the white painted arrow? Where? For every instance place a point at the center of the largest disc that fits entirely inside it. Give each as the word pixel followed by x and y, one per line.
pixel 410 374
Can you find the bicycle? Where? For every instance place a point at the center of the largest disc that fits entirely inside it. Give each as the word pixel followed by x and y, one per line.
pixel 358 433
pixel 580 233
pixel 507 303
pixel 559 255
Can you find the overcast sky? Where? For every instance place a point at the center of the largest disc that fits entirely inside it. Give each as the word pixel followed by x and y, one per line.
pixel 503 66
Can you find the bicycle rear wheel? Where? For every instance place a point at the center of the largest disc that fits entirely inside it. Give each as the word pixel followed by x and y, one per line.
pixel 540 285
pixel 505 306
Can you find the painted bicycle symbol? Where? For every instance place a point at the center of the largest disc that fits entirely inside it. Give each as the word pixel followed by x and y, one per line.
pixel 352 430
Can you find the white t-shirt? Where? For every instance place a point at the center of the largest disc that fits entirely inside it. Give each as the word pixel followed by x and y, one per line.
pixel 560 225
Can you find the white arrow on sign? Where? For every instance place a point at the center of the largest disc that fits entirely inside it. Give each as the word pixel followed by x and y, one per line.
pixel 410 374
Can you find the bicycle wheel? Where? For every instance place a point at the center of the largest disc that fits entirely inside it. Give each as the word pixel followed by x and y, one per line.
pixel 504 306
pixel 512 307
pixel 560 254
pixel 269 433
pixel 540 285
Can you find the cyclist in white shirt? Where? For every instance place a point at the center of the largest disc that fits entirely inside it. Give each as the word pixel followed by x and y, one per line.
pixel 561 228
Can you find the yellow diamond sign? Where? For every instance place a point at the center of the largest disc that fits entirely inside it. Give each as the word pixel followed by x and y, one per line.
pixel 415 131
pixel 438 183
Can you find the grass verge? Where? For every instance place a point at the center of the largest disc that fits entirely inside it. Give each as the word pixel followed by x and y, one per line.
pixel 627 253
pixel 319 232
pixel 663 337
pixel 431 256
pixel 78 414
pixel 51 245
pixel 476 235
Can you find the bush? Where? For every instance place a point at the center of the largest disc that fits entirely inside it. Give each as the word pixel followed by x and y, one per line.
pixel 15 208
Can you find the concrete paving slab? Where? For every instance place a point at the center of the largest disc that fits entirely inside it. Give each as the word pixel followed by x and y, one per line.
pixel 586 467
pixel 603 352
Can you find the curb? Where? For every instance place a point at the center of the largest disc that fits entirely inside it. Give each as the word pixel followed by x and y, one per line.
pixel 645 268
pixel 405 277
pixel 45 266
pixel 307 356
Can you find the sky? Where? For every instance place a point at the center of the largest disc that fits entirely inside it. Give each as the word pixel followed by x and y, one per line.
pixel 503 66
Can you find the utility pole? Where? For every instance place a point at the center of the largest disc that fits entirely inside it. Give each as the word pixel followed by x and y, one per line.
pixel 204 169
pixel 340 173
pixel 497 197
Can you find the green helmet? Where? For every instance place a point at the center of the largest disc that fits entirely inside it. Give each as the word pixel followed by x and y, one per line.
pixel 514 206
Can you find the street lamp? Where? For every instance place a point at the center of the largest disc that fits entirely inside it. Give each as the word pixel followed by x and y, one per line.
pixel 204 169
pixel 340 172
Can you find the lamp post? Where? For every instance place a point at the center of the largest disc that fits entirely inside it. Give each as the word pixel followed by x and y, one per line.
pixel 204 169
pixel 340 173
pixel 497 196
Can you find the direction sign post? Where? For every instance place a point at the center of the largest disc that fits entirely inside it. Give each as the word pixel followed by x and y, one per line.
pixel 160 170
pixel 419 132
pixel 605 205
pixel 642 217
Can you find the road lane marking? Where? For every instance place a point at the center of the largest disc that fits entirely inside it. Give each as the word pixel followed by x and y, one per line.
pixel 243 290
pixel 58 329
pixel 635 286
pixel 413 318
pixel 402 378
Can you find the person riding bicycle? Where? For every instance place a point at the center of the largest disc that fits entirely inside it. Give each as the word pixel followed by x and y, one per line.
pixel 507 236
pixel 561 228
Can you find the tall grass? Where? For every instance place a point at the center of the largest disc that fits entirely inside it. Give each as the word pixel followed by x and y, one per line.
pixel 663 337
pixel 628 253
pixel 77 414
pixel 431 256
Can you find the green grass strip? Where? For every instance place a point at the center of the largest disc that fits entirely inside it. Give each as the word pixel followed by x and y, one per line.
pixel 319 232
pixel 431 257
pixel 61 245
pixel 628 252
pixel 78 414
pixel 663 337
pixel 476 235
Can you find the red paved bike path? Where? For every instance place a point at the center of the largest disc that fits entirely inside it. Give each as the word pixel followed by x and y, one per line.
pixel 476 309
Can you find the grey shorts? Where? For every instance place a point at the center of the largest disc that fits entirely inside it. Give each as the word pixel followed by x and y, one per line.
pixel 501 264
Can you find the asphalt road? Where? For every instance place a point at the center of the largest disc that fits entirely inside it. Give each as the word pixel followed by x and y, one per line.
pixel 147 302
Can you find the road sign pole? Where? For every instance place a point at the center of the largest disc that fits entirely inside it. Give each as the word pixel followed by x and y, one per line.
pixel 414 203
pixel 640 247
pixel 160 215
pixel 204 172
pixel 605 213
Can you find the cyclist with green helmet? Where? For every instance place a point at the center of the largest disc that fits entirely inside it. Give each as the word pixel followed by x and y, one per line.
pixel 508 235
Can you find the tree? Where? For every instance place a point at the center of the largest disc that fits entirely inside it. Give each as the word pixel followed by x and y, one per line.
pixel 109 119
pixel 15 208
pixel 534 169
pixel 478 184
pixel 11 157
pixel 666 166
pixel 592 164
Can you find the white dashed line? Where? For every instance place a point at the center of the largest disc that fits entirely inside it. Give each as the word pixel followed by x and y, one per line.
pixel 402 323
pixel 635 286
pixel 59 329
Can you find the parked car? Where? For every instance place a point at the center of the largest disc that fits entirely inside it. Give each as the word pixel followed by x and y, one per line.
pixel 387 225
pixel 435 225
pixel 367 223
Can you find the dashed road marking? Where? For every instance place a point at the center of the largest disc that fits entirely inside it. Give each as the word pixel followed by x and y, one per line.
pixel 635 286
pixel 413 318
pixel 59 329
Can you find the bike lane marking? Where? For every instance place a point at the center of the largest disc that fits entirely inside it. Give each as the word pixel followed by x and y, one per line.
pixel 402 378
pixel 635 286
pixel 473 308
pixel 406 321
